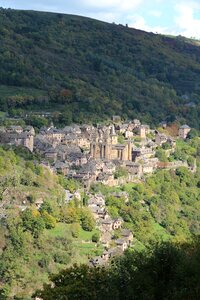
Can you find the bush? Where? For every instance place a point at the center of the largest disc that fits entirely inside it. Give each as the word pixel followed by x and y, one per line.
pixel 50 221
pixel 87 220
pixel 120 172
pixel 96 237
pixel 75 230
pixel 61 257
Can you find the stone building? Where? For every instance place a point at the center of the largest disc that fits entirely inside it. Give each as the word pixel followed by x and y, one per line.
pixel 183 131
pixel 142 153
pixel 16 135
pixel 104 145
pixel 143 131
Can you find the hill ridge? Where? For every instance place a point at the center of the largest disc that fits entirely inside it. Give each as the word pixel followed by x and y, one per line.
pixel 102 68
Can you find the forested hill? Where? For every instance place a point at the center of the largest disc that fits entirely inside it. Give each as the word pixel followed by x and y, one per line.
pixel 89 69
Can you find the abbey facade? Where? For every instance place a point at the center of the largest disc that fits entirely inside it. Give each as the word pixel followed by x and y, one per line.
pixel 104 145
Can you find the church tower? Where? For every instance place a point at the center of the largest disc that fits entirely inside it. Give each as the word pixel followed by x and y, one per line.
pixel 113 135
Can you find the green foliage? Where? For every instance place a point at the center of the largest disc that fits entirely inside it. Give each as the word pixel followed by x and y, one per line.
pixel 166 271
pixel 37 122
pixel 160 154
pixel 75 230
pixel 96 237
pixel 87 220
pixel 193 133
pixel 146 75
pixel 69 184
pixel 120 172
pixel 166 146
pixel 49 221
pixel 163 207
pixel 33 222
pixel 121 139
pixel 69 214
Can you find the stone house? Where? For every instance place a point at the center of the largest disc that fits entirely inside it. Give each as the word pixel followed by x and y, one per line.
pixel 117 223
pixel 143 131
pixel 160 138
pixel 96 261
pixel 14 128
pixel 136 123
pixel 106 238
pixel 54 135
pixel 97 200
pixel 183 131
pixel 38 203
pixel 82 142
pixel 107 225
pixel 107 179
pixel 127 234
pixel 142 153
pixel 16 135
pixel 128 134
pixel 98 212
pixel 51 154
pixel 122 128
pixel 134 168
pixel 61 167
pixel 122 243
pixel 109 167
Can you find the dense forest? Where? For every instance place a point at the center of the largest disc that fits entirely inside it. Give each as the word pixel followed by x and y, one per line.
pixel 166 271
pixel 79 69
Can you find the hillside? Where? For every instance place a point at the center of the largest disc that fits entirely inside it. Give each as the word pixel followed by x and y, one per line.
pixel 89 70
pixel 39 233
pixel 42 234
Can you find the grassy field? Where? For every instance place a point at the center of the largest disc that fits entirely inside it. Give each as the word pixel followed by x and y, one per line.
pixel 83 244
pixel 61 230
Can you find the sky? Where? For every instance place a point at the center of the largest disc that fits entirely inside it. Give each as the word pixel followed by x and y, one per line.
pixel 176 17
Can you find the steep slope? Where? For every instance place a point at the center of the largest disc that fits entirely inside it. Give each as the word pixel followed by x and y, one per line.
pixel 87 68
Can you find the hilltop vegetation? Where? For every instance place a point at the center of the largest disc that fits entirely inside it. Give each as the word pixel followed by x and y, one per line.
pixel 90 70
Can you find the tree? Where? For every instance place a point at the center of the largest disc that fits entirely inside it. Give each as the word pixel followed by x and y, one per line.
pixel 87 220
pixel 75 230
pixel 69 214
pixel 96 237
pixel 164 271
pixel 193 133
pixel 160 154
pixel 49 221
pixel 33 222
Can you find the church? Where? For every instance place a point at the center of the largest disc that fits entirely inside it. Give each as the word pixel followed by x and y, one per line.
pixel 105 145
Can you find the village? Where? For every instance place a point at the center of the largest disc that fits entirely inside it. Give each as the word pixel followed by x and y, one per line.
pixel 113 155
pixel 97 154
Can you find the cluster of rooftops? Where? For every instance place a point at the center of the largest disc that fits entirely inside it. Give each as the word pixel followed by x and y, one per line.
pixel 94 153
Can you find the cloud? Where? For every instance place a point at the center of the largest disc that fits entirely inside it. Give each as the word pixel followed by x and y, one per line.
pixel 139 22
pixel 106 10
pixel 167 17
pixel 87 5
pixel 155 13
pixel 186 22
pixel 117 5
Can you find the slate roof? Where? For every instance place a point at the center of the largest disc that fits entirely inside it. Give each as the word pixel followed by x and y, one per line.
pixel 184 127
